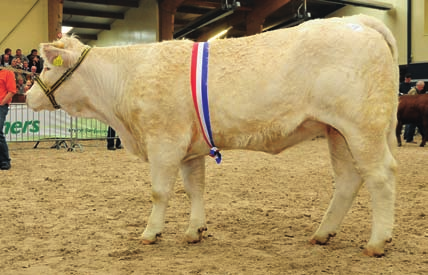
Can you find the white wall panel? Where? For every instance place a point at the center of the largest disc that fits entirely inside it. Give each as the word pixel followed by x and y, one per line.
pixel 139 26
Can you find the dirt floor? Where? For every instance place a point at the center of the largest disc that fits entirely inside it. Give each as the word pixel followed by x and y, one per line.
pixel 82 212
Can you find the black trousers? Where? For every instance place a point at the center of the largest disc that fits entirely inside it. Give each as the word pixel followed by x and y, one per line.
pixel 111 136
pixel 4 149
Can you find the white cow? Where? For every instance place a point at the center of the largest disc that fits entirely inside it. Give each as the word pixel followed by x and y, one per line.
pixel 267 92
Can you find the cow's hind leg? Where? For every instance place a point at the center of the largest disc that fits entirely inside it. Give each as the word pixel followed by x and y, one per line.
pixel 347 183
pixel 193 173
pixel 371 151
pixel 163 179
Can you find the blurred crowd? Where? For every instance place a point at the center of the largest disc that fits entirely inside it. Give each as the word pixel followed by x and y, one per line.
pixel 25 67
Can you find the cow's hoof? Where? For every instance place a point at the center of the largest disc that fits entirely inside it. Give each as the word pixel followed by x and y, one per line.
pixel 190 240
pixel 399 144
pixel 376 250
pixel 147 241
pixel 422 145
pixel 321 241
pixel 314 242
pixel 372 252
pixel 196 238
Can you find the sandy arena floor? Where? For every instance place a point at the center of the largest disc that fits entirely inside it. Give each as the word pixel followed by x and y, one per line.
pixel 82 213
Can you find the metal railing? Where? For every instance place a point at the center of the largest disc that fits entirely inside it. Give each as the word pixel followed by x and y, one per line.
pixel 24 125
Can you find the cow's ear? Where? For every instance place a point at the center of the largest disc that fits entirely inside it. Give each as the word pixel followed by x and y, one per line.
pixel 56 55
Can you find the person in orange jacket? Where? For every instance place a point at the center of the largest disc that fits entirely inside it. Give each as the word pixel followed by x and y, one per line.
pixel 7 90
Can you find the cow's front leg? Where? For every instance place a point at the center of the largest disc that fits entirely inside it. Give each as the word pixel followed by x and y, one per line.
pixel 193 173
pixel 163 179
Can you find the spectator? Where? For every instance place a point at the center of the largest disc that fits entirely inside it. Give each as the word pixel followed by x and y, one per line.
pixel 35 60
pixel 406 85
pixel 418 89
pixel 28 86
pixel 7 90
pixel 18 72
pixel 32 54
pixel 20 85
pixel 14 63
pixel 33 73
pixel 7 52
pixel 26 66
pixel 18 62
pixel 18 53
pixel 5 60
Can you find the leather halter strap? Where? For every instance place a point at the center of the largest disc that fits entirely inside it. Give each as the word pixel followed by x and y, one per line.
pixel 49 91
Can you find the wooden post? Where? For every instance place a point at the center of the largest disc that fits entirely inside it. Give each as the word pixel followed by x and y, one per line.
pixel 262 9
pixel 167 10
pixel 54 19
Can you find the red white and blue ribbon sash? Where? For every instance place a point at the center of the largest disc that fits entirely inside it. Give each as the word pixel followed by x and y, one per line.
pixel 199 83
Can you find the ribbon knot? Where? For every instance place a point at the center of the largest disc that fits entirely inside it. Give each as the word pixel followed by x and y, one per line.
pixel 215 153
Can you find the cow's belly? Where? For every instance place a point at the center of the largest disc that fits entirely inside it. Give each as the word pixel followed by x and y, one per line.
pixel 276 141
pixel 307 130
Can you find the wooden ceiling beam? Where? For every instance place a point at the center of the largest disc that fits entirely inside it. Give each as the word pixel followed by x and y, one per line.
pixel 83 36
pixel 261 10
pixel 122 3
pixel 192 9
pixel 211 5
pixel 92 13
pixel 181 22
pixel 204 4
pixel 84 25
pixel 167 11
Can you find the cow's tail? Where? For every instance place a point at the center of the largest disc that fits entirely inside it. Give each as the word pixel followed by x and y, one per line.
pixel 380 27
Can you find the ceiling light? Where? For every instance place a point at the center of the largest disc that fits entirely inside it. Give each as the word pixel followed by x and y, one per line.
pixel 220 34
pixel 65 29
pixel 364 3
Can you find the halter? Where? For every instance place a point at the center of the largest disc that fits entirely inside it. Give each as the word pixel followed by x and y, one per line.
pixel 49 92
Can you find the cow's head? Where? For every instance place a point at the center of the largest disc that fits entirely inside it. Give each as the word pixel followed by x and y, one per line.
pixel 53 87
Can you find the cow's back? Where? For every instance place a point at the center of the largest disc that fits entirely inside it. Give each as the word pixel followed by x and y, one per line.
pixel 322 65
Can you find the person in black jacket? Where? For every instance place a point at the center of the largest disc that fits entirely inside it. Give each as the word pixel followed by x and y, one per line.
pixel 35 60
pixel 5 60
pixel 406 85
pixel 8 59
pixel 111 136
